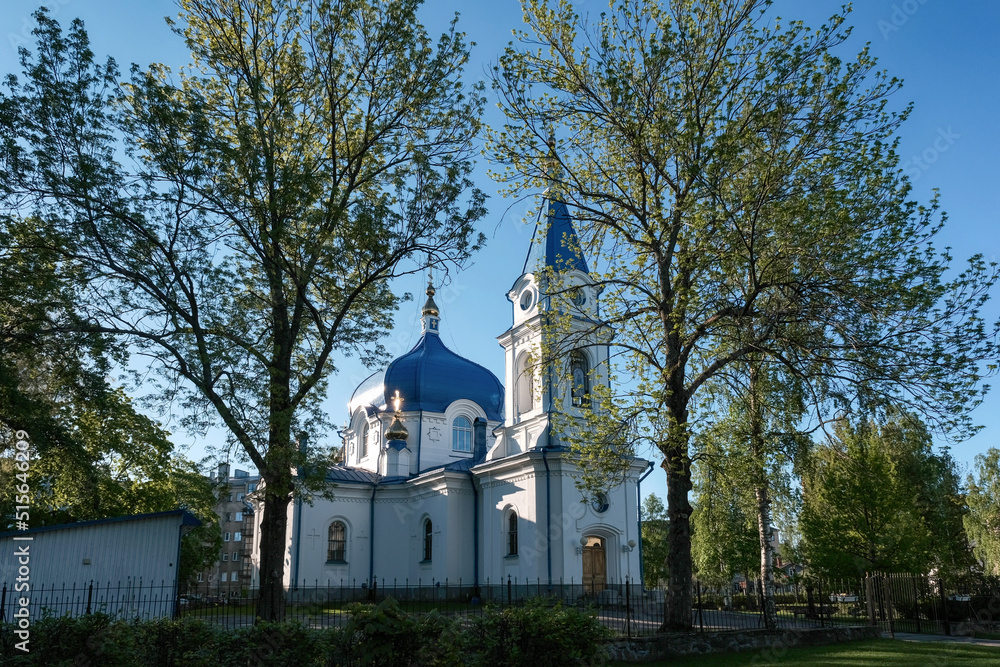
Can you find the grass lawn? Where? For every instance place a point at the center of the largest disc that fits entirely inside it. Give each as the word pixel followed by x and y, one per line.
pixel 873 652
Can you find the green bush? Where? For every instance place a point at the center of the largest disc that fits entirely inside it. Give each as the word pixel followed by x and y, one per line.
pixel 387 635
pixel 95 639
pixel 167 643
pixel 535 634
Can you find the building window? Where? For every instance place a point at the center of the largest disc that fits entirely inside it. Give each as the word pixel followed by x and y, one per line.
pixel 237 536
pixel 240 496
pixel 428 539
pixel 229 516
pixel 222 577
pixel 239 516
pixel 201 576
pixel 225 538
pixel 251 487
pixel 235 576
pixel 512 534
pixel 336 550
pixel 363 446
pixel 461 434
pixel 225 556
pixel 236 556
pixel 524 384
pixel 230 497
pixel 580 371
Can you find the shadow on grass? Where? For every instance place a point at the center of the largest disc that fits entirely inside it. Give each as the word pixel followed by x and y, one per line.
pixel 872 652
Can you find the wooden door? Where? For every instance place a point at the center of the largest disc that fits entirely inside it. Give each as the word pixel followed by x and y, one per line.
pixel 595 566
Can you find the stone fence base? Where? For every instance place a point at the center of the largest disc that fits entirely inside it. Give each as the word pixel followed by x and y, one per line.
pixel 771 643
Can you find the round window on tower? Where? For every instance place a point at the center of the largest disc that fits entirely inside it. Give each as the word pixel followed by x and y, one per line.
pixel 600 503
pixel 527 299
pixel 578 296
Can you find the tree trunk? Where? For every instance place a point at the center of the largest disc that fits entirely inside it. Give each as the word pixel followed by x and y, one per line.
pixel 277 490
pixel 273 534
pixel 766 556
pixel 677 464
pixel 762 492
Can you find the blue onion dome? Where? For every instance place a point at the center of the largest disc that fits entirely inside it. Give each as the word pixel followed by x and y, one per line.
pixel 431 377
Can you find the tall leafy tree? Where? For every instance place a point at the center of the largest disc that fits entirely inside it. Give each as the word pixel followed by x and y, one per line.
pixel 746 465
pixel 93 454
pixel 876 497
pixel 982 523
pixel 723 541
pixel 654 542
pixel 737 186
pixel 239 222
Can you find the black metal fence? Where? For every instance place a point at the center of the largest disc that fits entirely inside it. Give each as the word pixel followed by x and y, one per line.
pixel 923 604
pixel 898 603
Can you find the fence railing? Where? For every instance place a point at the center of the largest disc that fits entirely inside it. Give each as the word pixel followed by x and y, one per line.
pixel 923 604
pixel 898 603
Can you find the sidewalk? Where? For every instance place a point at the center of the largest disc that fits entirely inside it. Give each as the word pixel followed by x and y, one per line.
pixel 914 637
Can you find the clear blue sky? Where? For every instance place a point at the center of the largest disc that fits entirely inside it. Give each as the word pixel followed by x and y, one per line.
pixel 947 54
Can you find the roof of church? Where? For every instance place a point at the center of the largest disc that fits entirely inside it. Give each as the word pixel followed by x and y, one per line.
pixel 431 377
pixel 560 248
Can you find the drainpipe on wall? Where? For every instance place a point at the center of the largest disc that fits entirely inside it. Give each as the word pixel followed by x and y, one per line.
pixel 475 536
pixel 548 515
pixel 297 539
pixel 371 536
pixel 420 436
pixel 638 513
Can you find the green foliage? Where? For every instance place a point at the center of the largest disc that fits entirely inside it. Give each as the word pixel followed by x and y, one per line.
pixel 240 223
pixel 387 635
pixel 724 540
pixel 654 542
pixel 736 184
pixel 877 498
pixel 535 634
pixel 94 455
pixel 982 523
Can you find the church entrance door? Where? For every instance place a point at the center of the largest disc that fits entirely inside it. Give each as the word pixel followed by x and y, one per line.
pixel 595 565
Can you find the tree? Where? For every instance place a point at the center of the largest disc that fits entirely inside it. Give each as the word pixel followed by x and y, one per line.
pixel 239 224
pixel 876 498
pixel 982 523
pixel 723 542
pixel 737 184
pixel 654 542
pixel 747 458
pixel 93 454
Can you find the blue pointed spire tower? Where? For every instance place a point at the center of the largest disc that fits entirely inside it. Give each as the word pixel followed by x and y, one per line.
pixel 555 277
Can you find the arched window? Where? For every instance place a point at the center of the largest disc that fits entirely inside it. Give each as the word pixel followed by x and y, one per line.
pixel 428 539
pixel 525 386
pixel 512 534
pixel 580 373
pixel 363 445
pixel 336 550
pixel 461 434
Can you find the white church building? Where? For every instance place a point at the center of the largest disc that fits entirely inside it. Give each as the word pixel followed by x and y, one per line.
pixel 461 483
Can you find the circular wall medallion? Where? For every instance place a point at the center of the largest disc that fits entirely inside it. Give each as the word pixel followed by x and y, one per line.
pixel 527 299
